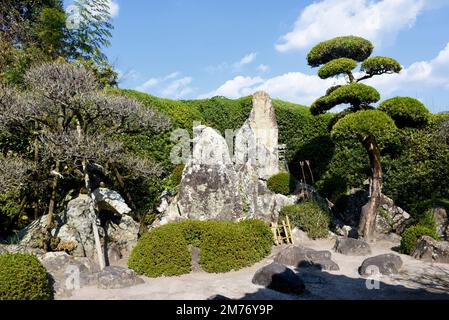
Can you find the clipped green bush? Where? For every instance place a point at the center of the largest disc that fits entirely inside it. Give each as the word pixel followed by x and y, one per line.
pixel 406 111
pixel 352 47
pixel 282 183
pixel 411 236
pixel 161 252
pixel 356 94
pixel 23 277
pixel 309 217
pixel 224 246
pixel 365 123
pixel 228 246
pixel 337 67
pixel 380 65
pixel 427 220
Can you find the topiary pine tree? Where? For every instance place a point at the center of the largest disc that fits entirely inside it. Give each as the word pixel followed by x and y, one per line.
pixel 340 56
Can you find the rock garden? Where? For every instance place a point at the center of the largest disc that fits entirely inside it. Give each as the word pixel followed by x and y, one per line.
pixel 113 194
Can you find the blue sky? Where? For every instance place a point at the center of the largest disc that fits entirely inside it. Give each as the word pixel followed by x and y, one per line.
pixel 187 49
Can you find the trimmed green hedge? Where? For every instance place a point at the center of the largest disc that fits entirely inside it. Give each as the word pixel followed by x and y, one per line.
pixel 224 246
pixel 406 111
pixel 380 65
pixel 161 252
pixel 352 47
pixel 337 67
pixel 309 217
pixel 365 123
pixel 411 236
pixel 430 204
pixel 23 277
pixel 355 94
pixel 282 183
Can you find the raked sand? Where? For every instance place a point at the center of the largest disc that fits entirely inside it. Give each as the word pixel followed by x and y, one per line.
pixel 417 280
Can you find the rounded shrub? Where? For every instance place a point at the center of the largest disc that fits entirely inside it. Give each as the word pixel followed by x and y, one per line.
pixel 337 67
pixel 23 277
pixel 309 217
pixel 355 48
pixel 282 183
pixel 411 236
pixel 364 123
pixel 161 252
pixel 228 246
pixel 380 65
pixel 406 111
pixel 356 94
pixel 224 246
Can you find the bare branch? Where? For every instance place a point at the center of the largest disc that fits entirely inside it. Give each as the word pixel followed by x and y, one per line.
pixel 14 172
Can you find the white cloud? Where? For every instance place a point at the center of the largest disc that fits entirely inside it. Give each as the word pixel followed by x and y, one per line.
pixel 304 89
pixel 236 66
pixel 172 75
pixel 235 88
pixel 129 75
pixel 114 8
pixel 418 76
pixel 249 58
pixel 377 21
pixel 169 86
pixel 178 88
pixel 292 86
pixel 263 68
pixel 148 84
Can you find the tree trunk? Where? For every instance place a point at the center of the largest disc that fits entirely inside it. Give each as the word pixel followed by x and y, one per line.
pixel 52 204
pixel 101 259
pixel 368 216
pixel 119 178
pixel 36 191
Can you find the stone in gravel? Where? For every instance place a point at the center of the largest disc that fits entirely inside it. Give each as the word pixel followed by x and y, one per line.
pixel 385 264
pixel 303 257
pixel 279 278
pixel 352 247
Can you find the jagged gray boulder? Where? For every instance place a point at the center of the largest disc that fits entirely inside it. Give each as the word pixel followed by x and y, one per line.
pixel 109 200
pixel 430 250
pixel 352 247
pixel 219 184
pixel 114 277
pixel 385 264
pixel 68 273
pixel 390 219
pixel 77 227
pixel 302 257
pixel 441 217
pixel 123 232
pixel 279 278
pixel 209 187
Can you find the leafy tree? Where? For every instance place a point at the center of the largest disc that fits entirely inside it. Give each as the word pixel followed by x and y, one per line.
pixel 31 31
pixel 73 123
pixel 340 56
pixel 373 128
pixel 92 31
pixel 35 31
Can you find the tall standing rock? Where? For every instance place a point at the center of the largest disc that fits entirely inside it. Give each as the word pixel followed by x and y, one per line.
pixel 256 143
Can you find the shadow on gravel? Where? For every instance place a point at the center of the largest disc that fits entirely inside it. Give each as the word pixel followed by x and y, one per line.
pixel 325 286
